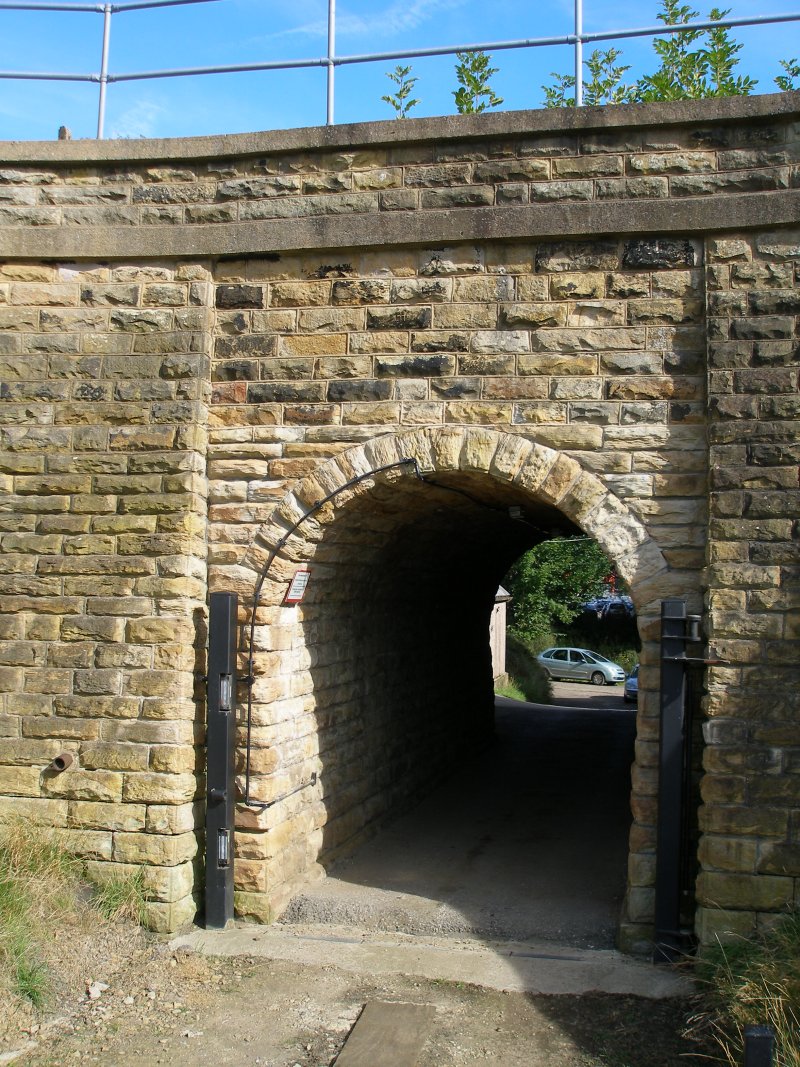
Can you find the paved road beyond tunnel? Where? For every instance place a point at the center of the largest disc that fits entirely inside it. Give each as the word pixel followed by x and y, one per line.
pixel 527 842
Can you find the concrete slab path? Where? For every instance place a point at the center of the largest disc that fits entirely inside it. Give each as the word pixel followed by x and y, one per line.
pixel 513 967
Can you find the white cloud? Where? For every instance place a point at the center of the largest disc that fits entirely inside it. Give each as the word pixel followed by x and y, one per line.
pixel 138 121
pixel 396 18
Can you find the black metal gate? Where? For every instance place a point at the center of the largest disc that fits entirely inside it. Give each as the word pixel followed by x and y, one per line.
pixel 680 771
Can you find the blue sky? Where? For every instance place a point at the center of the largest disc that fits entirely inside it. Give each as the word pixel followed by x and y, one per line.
pixel 240 31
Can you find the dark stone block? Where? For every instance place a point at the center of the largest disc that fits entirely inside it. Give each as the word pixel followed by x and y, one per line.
pixel 596 414
pixel 765 505
pixel 776 353
pixel 778 455
pixel 775 302
pixel 577 256
pixel 780 407
pixel 683 362
pixel 452 342
pixel 712 137
pixel 240 296
pixel 332 270
pixel 456 388
pixel 728 303
pixel 353 390
pixel 682 413
pixel 781 859
pixel 247 345
pixel 412 366
pixel 759 134
pixel 733 407
pixel 658 252
pixel 772 381
pixel 725 355
pixel 367 291
pixel 239 370
pixel 769 554
pixel 401 318
pixel 285 392
pixel 763 329
pixel 91 391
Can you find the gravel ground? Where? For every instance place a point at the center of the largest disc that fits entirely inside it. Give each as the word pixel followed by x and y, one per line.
pixel 181 1008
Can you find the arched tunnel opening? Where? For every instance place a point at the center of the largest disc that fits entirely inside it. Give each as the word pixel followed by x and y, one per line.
pixel 413 571
pixel 438 804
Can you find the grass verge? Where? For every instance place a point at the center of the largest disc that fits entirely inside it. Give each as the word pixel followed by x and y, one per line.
pixel 45 905
pixel 38 885
pixel 753 981
pixel 526 679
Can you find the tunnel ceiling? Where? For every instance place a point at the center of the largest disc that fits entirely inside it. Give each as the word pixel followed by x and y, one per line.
pixel 457 522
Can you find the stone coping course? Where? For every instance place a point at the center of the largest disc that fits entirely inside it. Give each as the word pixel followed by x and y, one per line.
pixel 413 130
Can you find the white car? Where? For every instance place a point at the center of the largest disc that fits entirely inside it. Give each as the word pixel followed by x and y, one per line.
pixel 580 665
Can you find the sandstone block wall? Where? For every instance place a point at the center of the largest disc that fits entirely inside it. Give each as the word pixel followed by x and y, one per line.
pixel 103 580
pixel 750 851
pixel 590 316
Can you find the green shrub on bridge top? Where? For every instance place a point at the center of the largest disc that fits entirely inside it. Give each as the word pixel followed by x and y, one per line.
pixel 474 94
pixel 692 64
pixel 399 99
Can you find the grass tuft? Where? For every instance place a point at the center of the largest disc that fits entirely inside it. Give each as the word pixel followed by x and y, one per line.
pixel 753 981
pixel 122 898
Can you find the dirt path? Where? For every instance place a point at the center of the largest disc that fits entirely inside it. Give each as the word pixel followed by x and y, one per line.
pixel 282 997
pixel 181 1008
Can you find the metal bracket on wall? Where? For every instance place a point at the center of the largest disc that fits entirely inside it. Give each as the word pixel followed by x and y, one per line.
pixel 221 747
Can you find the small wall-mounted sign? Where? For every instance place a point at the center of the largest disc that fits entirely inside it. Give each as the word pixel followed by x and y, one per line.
pixel 297 586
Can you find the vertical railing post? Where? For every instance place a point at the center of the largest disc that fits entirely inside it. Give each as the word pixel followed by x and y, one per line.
pixel 101 105
pixel 220 752
pixel 578 53
pixel 670 780
pixel 759 1046
pixel 331 53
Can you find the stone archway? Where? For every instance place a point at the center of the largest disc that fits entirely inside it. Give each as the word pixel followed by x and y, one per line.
pixel 307 677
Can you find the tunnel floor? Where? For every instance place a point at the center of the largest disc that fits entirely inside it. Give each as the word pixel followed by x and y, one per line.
pixel 527 842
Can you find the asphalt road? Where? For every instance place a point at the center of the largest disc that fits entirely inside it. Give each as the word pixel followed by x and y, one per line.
pixel 585 695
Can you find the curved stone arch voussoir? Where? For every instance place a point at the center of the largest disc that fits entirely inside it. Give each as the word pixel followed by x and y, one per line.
pixel 549 475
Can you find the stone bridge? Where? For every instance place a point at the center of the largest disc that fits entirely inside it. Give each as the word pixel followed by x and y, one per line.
pixel 590 316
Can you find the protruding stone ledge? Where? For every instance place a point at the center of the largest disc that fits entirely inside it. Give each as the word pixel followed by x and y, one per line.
pixel 396 229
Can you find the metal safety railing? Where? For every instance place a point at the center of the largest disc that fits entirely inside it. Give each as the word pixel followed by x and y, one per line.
pixel 331 61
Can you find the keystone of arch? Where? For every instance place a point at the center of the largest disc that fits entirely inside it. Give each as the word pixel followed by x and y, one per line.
pixel 550 475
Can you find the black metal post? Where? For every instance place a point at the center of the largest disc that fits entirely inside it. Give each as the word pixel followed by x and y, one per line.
pixel 668 938
pixel 759 1045
pixel 220 749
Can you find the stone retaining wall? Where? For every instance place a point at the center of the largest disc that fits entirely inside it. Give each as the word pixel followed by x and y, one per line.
pixel 590 316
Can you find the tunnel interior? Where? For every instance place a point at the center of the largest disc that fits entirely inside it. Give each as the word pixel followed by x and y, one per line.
pixel 404 578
